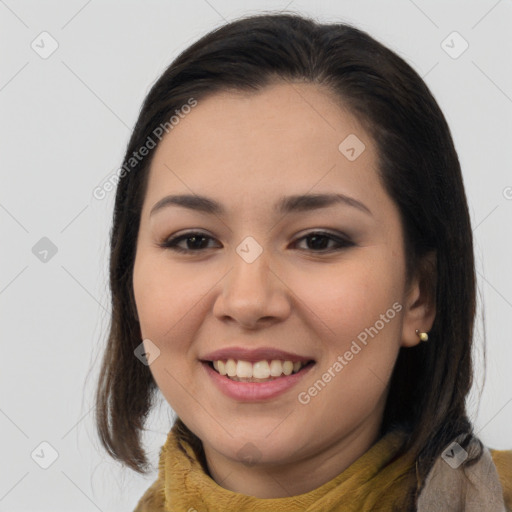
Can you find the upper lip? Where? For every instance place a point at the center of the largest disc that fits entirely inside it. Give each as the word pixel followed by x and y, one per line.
pixel 253 355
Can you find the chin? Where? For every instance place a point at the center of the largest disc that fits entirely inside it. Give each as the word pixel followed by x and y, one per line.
pixel 260 443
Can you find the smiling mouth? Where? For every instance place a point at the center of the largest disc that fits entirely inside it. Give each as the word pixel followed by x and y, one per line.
pixel 260 371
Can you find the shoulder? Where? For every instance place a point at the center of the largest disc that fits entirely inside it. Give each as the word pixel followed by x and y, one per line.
pixel 503 461
pixel 153 499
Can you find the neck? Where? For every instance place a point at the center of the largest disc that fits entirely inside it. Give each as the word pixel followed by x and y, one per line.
pixel 268 479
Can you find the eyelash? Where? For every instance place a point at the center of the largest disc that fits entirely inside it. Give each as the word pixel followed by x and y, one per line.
pixel 171 243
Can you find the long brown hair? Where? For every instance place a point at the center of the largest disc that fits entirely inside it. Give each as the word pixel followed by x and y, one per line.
pixel 418 166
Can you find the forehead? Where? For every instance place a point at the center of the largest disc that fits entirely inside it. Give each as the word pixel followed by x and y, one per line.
pixel 243 145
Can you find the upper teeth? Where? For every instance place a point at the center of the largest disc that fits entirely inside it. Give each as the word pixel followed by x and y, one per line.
pixel 259 370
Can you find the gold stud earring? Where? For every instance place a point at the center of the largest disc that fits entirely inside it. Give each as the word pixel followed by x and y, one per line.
pixel 422 335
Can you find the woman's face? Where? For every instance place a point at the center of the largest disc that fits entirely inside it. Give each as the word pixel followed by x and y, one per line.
pixel 256 285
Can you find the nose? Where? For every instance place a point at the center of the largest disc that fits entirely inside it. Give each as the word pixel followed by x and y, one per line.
pixel 252 293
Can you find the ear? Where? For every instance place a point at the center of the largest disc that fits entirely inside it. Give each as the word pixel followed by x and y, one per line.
pixel 420 302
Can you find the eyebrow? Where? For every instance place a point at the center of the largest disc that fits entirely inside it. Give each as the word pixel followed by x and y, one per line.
pixel 287 204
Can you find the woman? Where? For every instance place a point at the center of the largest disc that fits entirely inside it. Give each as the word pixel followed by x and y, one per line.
pixel 305 375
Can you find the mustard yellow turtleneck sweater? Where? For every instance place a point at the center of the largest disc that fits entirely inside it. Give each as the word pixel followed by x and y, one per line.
pixel 371 483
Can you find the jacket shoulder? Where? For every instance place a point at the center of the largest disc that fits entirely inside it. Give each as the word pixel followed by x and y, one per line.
pixel 503 461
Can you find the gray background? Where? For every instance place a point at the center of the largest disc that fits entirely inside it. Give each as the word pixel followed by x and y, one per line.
pixel 65 122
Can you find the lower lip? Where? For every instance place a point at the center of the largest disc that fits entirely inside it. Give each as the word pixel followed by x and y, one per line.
pixel 255 391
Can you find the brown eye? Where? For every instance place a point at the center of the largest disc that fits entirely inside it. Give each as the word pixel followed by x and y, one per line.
pixel 194 242
pixel 318 241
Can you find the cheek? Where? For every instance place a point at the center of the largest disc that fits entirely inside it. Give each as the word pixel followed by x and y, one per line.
pixel 170 298
pixel 160 297
pixel 347 299
pixel 360 307
pixel 359 348
pixel 168 302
